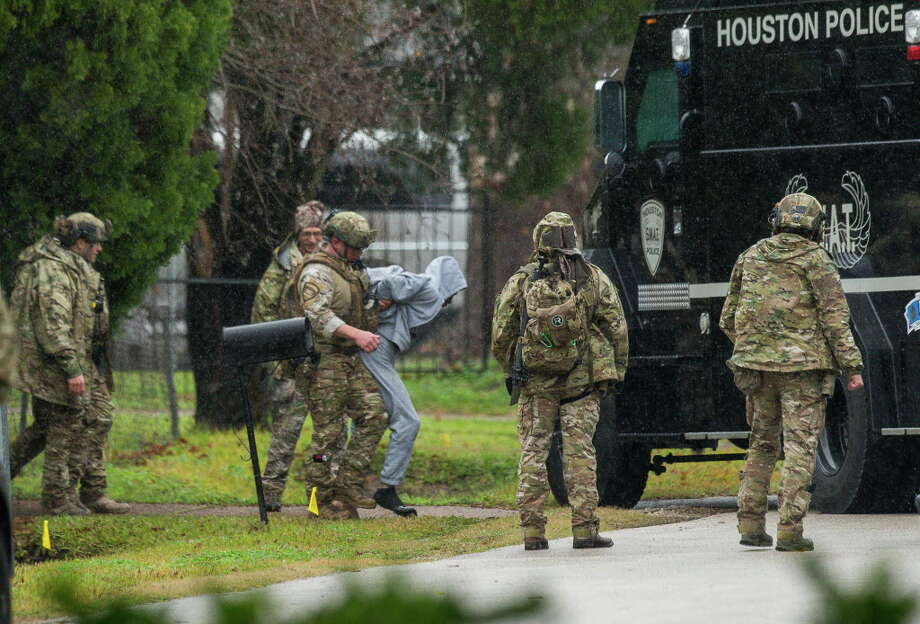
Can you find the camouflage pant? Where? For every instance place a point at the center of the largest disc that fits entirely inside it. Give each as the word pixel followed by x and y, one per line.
pixel 536 420
pixel 791 403
pixel 290 413
pixel 87 462
pixel 56 429
pixel 86 456
pixel 341 387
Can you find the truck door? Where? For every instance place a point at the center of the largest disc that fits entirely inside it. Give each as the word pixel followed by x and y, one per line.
pixel 662 240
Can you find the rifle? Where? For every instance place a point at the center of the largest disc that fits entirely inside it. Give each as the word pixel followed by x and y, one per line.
pixel 518 373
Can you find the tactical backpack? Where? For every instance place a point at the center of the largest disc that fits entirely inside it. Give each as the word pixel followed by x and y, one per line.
pixel 554 331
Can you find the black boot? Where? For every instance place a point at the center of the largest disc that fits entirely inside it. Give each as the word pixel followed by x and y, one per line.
pixel 389 499
pixel 535 543
pixel 587 537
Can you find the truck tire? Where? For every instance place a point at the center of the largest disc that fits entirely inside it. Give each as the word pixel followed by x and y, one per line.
pixel 856 471
pixel 622 469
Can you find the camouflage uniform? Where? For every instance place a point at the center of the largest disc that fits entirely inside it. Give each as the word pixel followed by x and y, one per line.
pixel 7 350
pixel 569 397
pixel 87 465
pixel 789 321
pixel 275 300
pixel 52 303
pixel 332 293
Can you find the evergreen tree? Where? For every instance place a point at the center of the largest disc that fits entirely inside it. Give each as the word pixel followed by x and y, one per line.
pixel 98 102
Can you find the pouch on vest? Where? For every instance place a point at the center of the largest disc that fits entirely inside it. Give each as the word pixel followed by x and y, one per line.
pixel 552 340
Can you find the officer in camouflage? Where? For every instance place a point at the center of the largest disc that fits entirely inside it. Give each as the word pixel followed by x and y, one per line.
pixel 87 462
pixel 276 299
pixel 581 294
pixel 53 305
pixel 333 286
pixel 788 319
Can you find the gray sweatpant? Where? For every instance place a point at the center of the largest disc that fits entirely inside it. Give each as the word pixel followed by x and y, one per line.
pixel 404 421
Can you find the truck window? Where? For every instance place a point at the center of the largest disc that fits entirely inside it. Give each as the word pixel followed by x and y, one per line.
pixel 657 119
pixel 794 72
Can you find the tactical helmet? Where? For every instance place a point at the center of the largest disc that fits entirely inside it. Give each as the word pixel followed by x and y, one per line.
pixel 82 225
pixel 798 211
pixel 555 231
pixel 350 228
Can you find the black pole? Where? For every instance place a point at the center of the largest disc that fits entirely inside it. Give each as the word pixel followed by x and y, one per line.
pixel 253 451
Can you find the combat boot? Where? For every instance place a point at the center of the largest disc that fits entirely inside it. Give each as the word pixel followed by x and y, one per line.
pixel 67 508
pixel 337 510
pixel 272 498
pixel 534 538
pixel 105 505
pixel 754 534
pixel 588 537
pixel 354 495
pixel 387 498
pixel 792 541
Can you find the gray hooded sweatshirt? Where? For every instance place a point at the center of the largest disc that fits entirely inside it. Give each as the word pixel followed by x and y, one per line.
pixel 417 297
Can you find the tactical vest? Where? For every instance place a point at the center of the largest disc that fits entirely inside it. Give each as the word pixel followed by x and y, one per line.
pixel 357 310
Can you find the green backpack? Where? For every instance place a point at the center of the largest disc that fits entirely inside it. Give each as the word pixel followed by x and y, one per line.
pixel 554 330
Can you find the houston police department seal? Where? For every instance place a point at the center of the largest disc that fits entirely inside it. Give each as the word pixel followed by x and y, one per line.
pixel 651 224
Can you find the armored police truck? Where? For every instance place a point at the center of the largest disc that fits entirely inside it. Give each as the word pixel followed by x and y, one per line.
pixel 727 106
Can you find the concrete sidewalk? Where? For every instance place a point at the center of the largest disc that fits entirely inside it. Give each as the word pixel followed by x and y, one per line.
pixel 688 572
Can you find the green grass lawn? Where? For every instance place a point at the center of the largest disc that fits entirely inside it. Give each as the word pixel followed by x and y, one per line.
pixel 466 453
pixel 145 559
pixel 457 460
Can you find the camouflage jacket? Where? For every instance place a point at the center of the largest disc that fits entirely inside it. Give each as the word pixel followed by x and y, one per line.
pixel 275 298
pixel 332 293
pixel 52 306
pixel 608 333
pixel 785 310
pixel 7 350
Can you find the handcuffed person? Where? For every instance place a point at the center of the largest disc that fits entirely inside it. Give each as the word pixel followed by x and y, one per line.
pixel 407 301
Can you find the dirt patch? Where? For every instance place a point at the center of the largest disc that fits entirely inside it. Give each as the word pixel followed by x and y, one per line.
pixel 24 510
pixel 30 508
pixel 681 514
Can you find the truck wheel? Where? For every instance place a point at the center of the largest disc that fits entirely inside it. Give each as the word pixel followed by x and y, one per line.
pixel 855 471
pixel 622 469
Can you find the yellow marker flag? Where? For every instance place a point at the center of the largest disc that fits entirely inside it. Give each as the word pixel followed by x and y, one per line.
pixel 46 537
pixel 446 439
pixel 313 507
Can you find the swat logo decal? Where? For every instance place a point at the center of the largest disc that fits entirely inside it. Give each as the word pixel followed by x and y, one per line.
pixel 651 222
pixel 912 314
pixel 556 321
pixel 847 221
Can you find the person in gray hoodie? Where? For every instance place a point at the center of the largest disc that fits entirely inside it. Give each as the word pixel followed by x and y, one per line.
pixel 407 301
